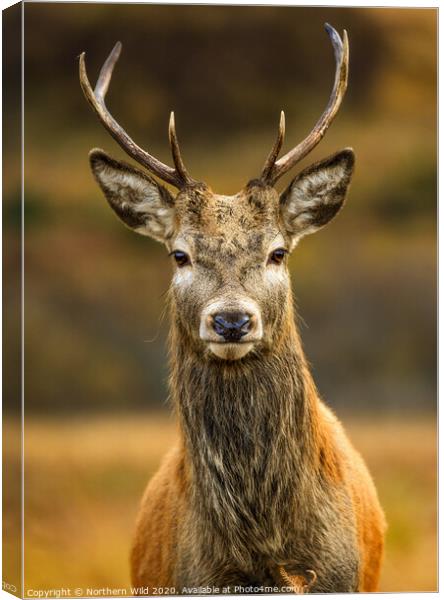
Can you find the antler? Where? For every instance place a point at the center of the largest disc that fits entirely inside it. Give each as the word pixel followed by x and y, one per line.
pixel 177 176
pixel 298 583
pixel 274 169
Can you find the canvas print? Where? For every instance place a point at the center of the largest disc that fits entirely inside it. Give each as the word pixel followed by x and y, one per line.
pixel 204 398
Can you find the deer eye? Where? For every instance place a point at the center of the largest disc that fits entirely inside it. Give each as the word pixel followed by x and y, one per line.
pixel 277 256
pixel 182 259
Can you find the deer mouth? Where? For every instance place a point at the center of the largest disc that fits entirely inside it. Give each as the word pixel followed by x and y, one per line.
pixel 231 350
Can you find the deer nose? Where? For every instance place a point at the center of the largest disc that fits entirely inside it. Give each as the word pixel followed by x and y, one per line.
pixel 232 326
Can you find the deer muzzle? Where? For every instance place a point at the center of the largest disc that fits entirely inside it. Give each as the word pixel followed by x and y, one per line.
pixel 231 329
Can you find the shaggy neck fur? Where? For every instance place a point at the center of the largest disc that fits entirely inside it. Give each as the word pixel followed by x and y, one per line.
pixel 249 437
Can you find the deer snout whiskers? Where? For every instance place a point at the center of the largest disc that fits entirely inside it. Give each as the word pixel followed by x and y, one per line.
pixel 231 329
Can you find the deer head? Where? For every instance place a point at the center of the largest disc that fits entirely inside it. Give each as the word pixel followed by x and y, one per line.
pixel 231 287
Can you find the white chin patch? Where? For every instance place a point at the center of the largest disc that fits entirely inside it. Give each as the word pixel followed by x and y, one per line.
pixel 230 351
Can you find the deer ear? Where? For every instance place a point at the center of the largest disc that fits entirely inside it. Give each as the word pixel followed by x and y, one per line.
pixel 316 195
pixel 138 200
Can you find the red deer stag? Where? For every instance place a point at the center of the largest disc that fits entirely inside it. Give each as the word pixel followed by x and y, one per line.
pixel 263 487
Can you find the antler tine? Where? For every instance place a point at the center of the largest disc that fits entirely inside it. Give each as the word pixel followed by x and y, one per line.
pixel 106 72
pixel 175 150
pixel 274 152
pixel 96 99
pixel 295 155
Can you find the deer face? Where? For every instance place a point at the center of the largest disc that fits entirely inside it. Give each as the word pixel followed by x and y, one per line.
pixel 231 285
pixel 231 280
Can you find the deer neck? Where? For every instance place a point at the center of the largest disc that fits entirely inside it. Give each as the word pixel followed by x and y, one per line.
pixel 249 433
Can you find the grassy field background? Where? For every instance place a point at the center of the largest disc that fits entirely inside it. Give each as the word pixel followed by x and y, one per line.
pixel 84 479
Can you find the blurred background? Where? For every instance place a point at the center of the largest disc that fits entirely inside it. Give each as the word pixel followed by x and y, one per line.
pixel 97 416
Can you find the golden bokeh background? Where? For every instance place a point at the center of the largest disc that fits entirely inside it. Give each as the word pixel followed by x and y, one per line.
pixel 97 418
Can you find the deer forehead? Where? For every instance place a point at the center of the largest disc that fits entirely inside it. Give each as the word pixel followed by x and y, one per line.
pixel 213 221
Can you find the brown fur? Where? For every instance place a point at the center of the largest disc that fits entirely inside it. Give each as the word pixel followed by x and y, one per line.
pixel 328 474
pixel 263 486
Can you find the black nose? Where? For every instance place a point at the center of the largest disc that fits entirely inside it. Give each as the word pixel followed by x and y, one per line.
pixel 232 326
